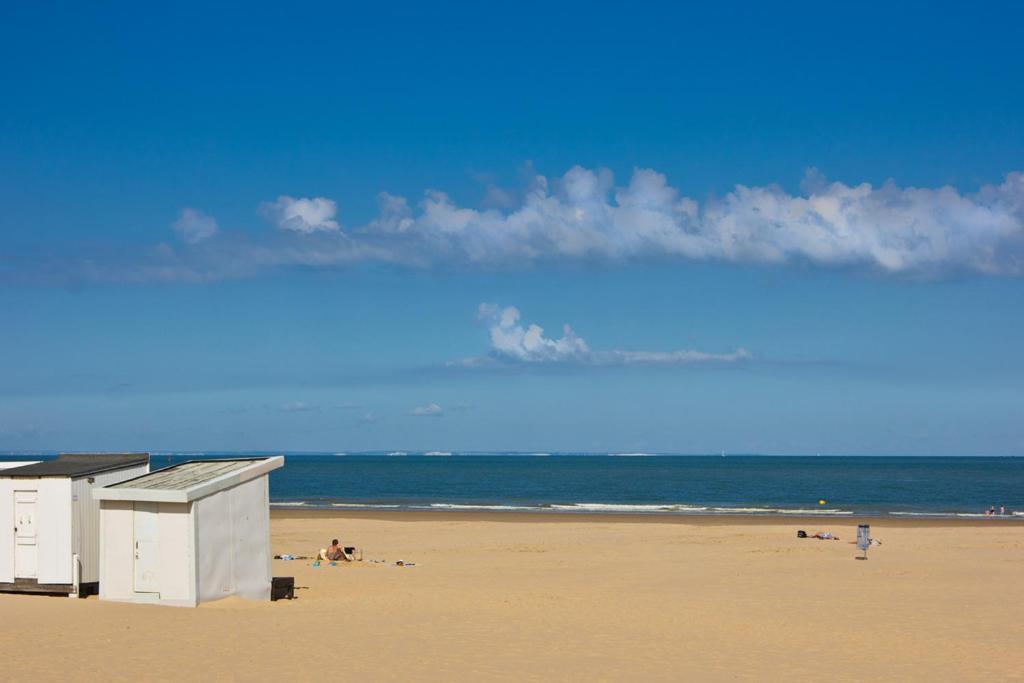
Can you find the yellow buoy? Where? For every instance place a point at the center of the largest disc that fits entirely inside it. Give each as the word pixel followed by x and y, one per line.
pixel 821 501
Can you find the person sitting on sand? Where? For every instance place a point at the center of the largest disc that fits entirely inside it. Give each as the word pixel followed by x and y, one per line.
pixel 336 553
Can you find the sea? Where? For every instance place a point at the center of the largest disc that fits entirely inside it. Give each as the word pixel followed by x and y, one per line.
pixel 642 483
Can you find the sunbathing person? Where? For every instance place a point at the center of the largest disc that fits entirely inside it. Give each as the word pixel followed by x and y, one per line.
pixel 825 536
pixel 336 553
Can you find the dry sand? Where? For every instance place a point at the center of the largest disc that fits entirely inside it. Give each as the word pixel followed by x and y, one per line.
pixel 560 597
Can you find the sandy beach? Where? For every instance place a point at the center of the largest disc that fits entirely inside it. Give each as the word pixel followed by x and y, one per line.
pixel 567 597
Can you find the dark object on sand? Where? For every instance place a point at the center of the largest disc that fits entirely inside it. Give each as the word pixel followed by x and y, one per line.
pixel 801 534
pixel 282 588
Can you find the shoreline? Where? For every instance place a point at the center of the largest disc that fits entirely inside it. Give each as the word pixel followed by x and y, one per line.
pixel 553 517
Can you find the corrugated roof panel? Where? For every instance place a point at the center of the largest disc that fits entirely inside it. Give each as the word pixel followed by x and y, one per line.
pixel 184 476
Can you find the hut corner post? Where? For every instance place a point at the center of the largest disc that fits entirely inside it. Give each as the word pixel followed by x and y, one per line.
pixel 76 576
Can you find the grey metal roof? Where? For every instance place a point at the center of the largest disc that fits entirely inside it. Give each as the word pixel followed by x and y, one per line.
pixel 189 481
pixel 78 465
pixel 184 476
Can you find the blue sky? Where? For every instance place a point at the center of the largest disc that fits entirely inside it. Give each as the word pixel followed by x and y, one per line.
pixel 790 229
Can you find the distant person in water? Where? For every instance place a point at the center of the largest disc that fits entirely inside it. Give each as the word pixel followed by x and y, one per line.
pixel 991 511
pixel 1002 509
pixel 336 553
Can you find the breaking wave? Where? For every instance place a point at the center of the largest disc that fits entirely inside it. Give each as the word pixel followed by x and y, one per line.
pixel 592 508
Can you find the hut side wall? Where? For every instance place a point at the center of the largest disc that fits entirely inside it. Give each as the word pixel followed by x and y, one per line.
pixel 233 542
pixel 252 539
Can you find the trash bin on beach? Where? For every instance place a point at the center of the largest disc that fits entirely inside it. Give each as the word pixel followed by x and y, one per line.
pixel 282 588
pixel 863 539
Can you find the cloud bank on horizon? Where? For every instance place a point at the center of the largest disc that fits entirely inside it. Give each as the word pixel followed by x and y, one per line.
pixel 512 343
pixel 584 216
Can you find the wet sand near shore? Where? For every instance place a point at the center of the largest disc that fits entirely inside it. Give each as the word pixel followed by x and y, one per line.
pixel 541 596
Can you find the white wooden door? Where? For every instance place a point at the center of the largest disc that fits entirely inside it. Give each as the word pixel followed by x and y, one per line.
pixel 26 554
pixel 146 548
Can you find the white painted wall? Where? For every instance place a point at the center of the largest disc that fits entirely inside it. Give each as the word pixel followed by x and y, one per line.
pixel 53 528
pixel 233 542
pixel 174 548
pixel 214 554
pixel 252 539
pixel 176 569
pixel 117 558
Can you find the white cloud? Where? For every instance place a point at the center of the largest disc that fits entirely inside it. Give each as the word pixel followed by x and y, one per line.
pixel 194 226
pixel 429 410
pixel 583 216
pixel 512 342
pixel 886 228
pixel 304 216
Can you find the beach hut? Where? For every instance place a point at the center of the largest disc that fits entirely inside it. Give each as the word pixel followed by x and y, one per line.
pixel 190 533
pixel 49 522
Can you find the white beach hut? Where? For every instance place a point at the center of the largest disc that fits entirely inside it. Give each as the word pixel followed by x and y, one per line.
pixel 190 533
pixel 49 522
